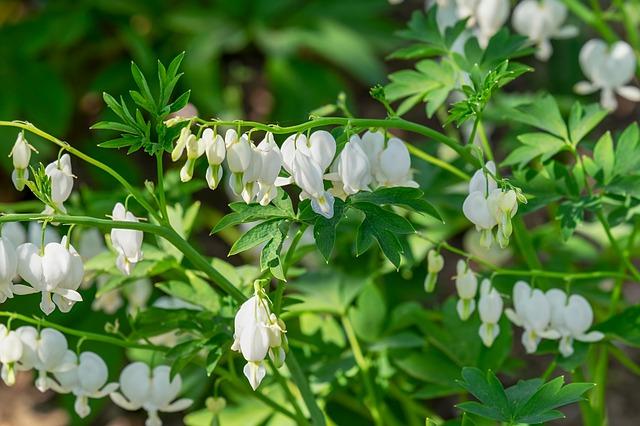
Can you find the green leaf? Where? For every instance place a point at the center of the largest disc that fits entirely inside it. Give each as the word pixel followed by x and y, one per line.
pixel 411 198
pixel 542 113
pixel 243 213
pixel 142 84
pixel 627 151
pixel 197 291
pixel 368 314
pixel 604 157
pixel 261 233
pixel 624 326
pixel 583 119
pixel 535 145
pixel 324 230
pixel 326 291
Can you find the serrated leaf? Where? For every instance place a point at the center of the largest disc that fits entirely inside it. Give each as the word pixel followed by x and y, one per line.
pixel 535 145
pixel 627 150
pixel 243 213
pixel 542 113
pixel 324 230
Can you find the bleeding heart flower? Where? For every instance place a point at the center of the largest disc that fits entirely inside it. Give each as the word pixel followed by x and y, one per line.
pixel 127 242
pixel 609 68
pixel 61 177
pixel 467 287
pixel 490 310
pixel 216 152
pixel 21 154
pixel 10 353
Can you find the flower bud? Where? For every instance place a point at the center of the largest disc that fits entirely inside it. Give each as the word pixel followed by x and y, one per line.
pixel 239 159
pixel 195 149
pixel 181 143
pixel 21 154
pixel 435 263
pixel 466 286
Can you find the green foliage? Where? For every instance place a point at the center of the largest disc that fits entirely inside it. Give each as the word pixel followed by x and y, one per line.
pixel 150 133
pixel 529 401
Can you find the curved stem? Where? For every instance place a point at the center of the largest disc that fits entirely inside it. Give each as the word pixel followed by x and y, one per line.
pixel 83 334
pixel 81 155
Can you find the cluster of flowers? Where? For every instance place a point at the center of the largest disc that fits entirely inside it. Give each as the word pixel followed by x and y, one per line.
pixel 258 333
pixel 487 206
pixel 85 375
pixel 59 172
pixel 53 269
pixel 550 315
pixel 365 163
pixel 610 68
pixel 490 303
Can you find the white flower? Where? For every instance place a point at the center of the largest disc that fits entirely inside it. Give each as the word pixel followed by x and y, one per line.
pixel 61 177
pixel 8 268
pixel 10 353
pixel 394 167
pixel 476 205
pixel 490 309
pixel 258 333
pixel 571 319
pixel 127 242
pixel 21 155
pixel 34 233
pixel 181 143
pixel 45 352
pixel 354 170
pixel 485 17
pixel 503 205
pixel 267 154
pixel 609 68
pixel 542 21
pixel 467 287
pixel 15 232
pixel 533 313
pixel 151 390
pixel 239 159
pixel 216 152
pixel 72 280
pixel 308 175
pixel 86 379
pixel 195 149
pixel 45 270
pixel 435 263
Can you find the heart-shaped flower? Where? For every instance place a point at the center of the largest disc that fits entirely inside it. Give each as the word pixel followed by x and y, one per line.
pixel 609 68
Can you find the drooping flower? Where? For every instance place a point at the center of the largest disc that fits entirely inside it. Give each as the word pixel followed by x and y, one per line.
pixel 268 155
pixel 308 175
pixel 72 280
pixel 45 269
pixel 542 21
pixel 467 287
pixel 476 205
pixel 532 311
pixel 490 309
pixel 354 170
pixel 372 143
pixel 181 143
pixel 151 390
pixel 127 242
pixel 239 159
pixel 45 352
pixel 609 69
pixel 195 149
pixel 61 177
pixel 21 155
pixel 394 168
pixel 10 353
pixel 216 152
pixel 258 333
pixel 15 232
pixel 435 263
pixel 8 268
pixel 87 378
pixel 485 17
pixel 503 205
pixel 571 318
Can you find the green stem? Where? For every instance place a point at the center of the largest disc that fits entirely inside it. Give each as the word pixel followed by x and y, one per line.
pixel 523 240
pixel 83 334
pixel 437 162
pixel 161 194
pixel 300 417
pixel 363 365
pixel 592 19
pixel 130 188
pixel 298 377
